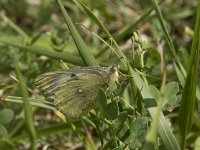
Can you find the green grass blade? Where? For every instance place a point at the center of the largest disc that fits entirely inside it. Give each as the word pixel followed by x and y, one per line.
pixel 119 36
pixel 33 102
pixel 180 75
pixel 187 106
pixel 132 27
pixel 93 17
pixel 126 30
pixel 13 26
pixel 50 130
pixel 27 106
pixel 119 53
pixel 96 20
pixel 167 36
pixel 84 52
pixel 52 54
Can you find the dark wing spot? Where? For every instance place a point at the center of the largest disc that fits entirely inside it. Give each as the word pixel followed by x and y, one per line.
pixel 73 75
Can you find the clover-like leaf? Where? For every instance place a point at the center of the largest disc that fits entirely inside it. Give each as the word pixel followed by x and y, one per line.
pixel 6 115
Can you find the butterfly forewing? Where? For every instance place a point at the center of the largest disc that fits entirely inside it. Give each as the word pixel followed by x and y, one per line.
pixel 74 91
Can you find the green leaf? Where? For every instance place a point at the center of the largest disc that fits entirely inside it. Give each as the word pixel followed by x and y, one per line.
pixel 3 131
pixel 138 131
pixel 170 90
pixel 155 92
pixel 112 86
pixel 6 115
pixel 123 83
pixel 170 95
pixel 124 132
pixel 120 120
pixel 111 110
pixel 101 99
pixel 172 103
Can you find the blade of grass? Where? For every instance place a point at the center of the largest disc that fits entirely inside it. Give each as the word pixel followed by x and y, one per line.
pixel 85 9
pixel 180 75
pixel 126 30
pixel 184 13
pixel 169 40
pixel 131 27
pixel 187 106
pixel 94 18
pixel 53 54
pixel 18 126
pixel 33 102
pixel 13 26
pixel 84 52
pixel 26 104
pixel 120 55
pixel 50 130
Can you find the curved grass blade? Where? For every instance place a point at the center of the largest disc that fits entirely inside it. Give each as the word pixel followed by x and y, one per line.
pixel 50 130
pixel 84 52
pixel 13 26
pixel 126 30
pixel 33 102
pixel 27 106
pixel 120 55
pixel 92 16
pixel 187 106
pixel 167 36
pixel 52 54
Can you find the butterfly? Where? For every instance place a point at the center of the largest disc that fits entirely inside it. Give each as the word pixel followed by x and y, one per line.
pixel 74 91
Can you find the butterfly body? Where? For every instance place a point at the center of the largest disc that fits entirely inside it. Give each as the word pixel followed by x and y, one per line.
pixel 74 91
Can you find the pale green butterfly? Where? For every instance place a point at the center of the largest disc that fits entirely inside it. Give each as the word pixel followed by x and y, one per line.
pixel 74 91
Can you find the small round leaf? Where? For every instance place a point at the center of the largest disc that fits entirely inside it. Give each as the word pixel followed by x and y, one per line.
pixel 6 116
